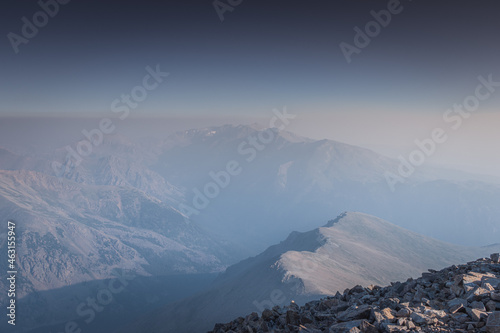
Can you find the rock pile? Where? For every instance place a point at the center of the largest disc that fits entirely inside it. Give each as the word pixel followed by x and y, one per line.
pixel 463 298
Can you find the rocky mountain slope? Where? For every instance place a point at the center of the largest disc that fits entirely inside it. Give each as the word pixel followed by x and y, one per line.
pixel 463 298
pixel 71 233
pixel 105 227
pixel 354 248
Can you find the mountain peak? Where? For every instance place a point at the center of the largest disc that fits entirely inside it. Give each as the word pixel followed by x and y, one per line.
pixel 229 132
pixel 336 220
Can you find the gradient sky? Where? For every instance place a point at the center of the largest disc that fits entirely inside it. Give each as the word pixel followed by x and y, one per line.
pixel 264 55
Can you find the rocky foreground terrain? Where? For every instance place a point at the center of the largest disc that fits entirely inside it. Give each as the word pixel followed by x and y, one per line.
pixel 464 298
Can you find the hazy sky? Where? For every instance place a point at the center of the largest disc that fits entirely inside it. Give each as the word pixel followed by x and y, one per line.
pixel 264 55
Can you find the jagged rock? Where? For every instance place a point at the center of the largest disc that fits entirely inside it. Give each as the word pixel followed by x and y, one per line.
pixel 356 290
pixel 306 318
pixel 457 291
pixel 493 323
pixel 346 326
pixel 476 315
pixel 457 301
pixel 478 306
pixel 292 317
pixel 404 312
pixel 455 308
pixel 495 257
pixel 361 312
pixel 491 306
pixel 366 327
pixel 388 313
pixel 421 319
pixel 381 317
pixel 267 314
pixel 402 321
pixel 488 286
pixel 461 318
pixel 435 313
pixel 394 328
pixel 477 293
pixel 254 316
pixel 410 325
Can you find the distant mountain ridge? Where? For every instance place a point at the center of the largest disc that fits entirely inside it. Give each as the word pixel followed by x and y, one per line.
pixel 353 249
pixel 297 179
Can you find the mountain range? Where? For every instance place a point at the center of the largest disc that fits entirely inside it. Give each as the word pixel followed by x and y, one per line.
pixel 353 249
pixel 124 207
